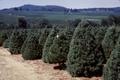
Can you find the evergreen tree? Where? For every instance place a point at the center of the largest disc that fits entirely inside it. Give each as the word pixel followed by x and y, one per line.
pixel 111 20
pixel 31 47
pixel 22 23
pixel 6 43
pixel 87 23
pixel 85 56
pixel 43 38
pixel 110 40
pixel 29 33
pixel 49 42
pixel 16 41
pixel 76 22
pixel 3 37
pixel 24 45
pixel 43 23
pixel 60 47
pixel 112 67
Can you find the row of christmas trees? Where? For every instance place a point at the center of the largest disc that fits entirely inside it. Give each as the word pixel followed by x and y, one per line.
pixel 87 50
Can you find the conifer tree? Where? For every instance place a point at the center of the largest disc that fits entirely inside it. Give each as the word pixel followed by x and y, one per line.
pixel 49 42
pixel 6 43
pixel 60 47
pixel 112 67
pixel 3 37
pixel 110 40
pixel 29 33
pixel 85 57
pixel 31 47
pixel 43 38
pixel 16 41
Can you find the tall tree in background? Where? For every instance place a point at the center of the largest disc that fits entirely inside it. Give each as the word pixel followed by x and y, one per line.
pixel 22 23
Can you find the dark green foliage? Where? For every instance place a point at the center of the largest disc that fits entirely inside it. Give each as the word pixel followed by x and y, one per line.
pixel 43 38
pixel 112 67
pixel 6 43
pixel 87 23
pixel 22 23
pixel 16 41
pixel 49 42
pixel 110 40
pixel 99 33
pixel 24 45
pixel 111 20
pixel 76 22
pixel 3 37
pixel 114 20
pixel 30 32
pixel 44 22
pixel 60 47
pixel 4 25
pixel 105 22
pixel 31 48
pixel 86 55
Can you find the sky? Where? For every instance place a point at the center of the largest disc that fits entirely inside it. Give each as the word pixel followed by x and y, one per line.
pixel 65 3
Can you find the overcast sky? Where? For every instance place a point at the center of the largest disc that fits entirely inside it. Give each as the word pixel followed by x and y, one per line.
pixel 65 3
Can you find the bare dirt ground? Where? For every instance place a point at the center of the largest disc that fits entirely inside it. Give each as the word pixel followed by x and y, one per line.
pixel 13 67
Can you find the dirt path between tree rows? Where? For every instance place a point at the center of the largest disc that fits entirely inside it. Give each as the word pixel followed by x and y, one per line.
pixel 13 70
pixel 13 67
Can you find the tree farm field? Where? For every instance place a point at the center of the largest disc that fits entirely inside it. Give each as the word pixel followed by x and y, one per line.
pixel 15 68
pixel 57 42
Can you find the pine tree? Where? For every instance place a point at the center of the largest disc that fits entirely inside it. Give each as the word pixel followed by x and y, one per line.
pixel 24 45
pixel 6 43
pixel 112 67
pixel 43 38
pixel 85 57
pixel 49 42
pixel 60 47
pixel 22 23
pixel 29 33
pixel 3 37
pixel 31 48
pixel 110 40
pixel 16 41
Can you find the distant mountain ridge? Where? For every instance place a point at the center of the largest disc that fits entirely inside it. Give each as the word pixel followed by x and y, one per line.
pixel 60 9
pixel 37 8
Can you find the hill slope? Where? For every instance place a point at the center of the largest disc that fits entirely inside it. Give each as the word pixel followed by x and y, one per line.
pixel 59 9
